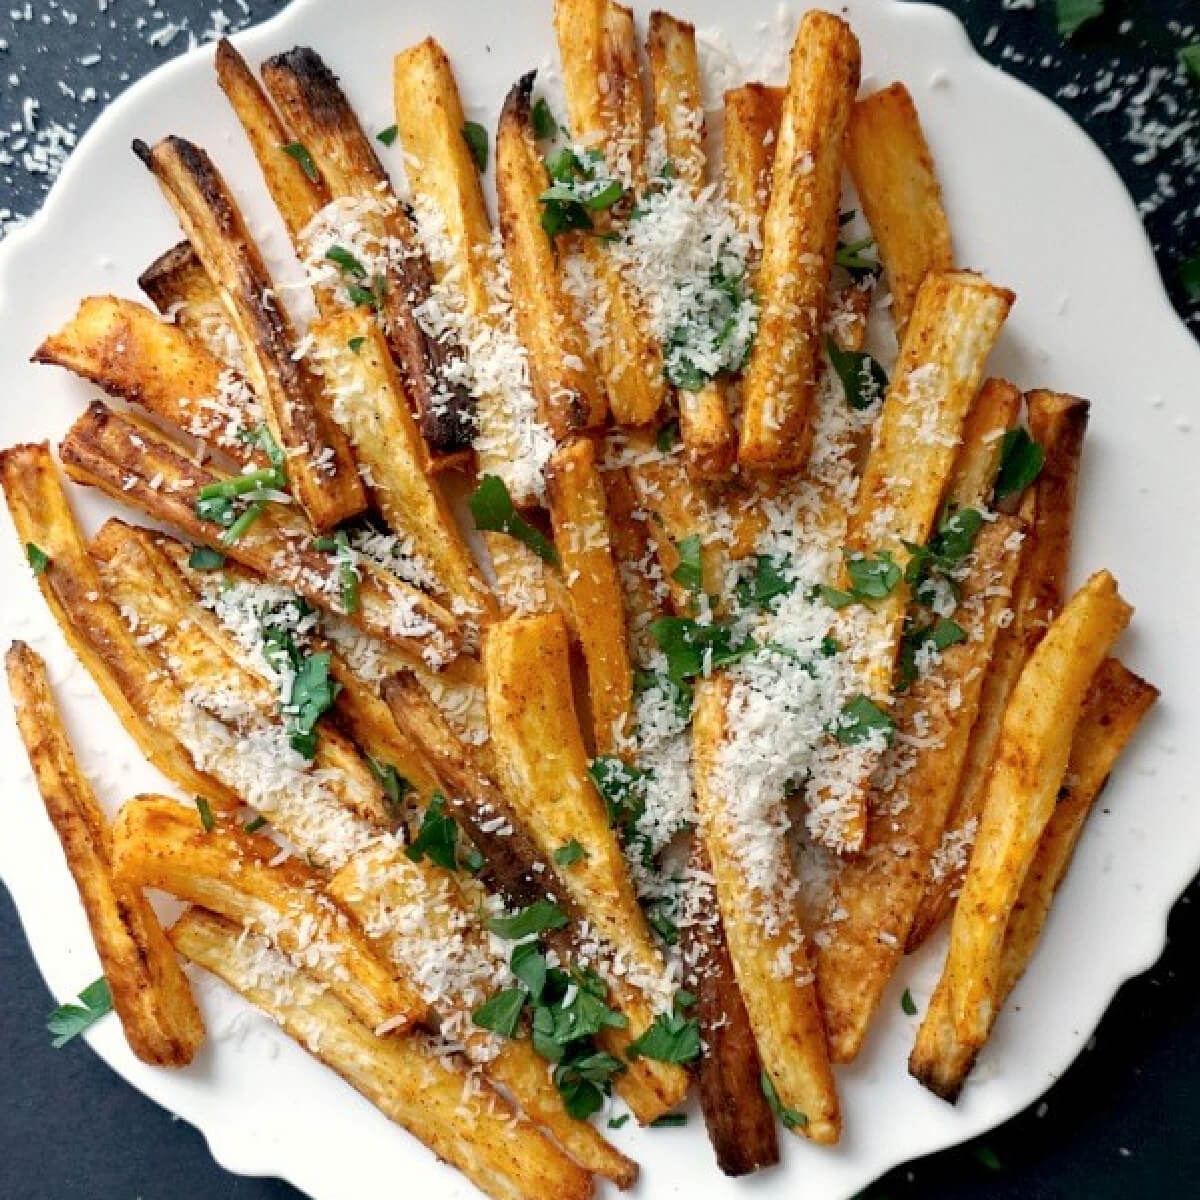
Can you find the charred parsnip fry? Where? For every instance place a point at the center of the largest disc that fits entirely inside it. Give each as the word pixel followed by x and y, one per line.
pixel 364 396
pixel 408 1079
pixel 297 197
pixel 799 241
pixel 1027 771
pixel 320 467
pixel 739 1121
pixel 125 349
pixel 876 894
pixel 1038 595
pixel 709 439
pixel 146 702
pixel 581 534
pixel 598 49
pixel 125 457
pixel 160 843
pixel 994 411
pixel 202 659
pixel 542 768
pixel 570 396
pixel 1116 702
pixel 150 993
pixel 771 964
pixel 316 111
pixel 894 176
pixel 954 326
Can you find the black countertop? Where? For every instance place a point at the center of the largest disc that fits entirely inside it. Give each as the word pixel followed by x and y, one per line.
pixel 1121 1122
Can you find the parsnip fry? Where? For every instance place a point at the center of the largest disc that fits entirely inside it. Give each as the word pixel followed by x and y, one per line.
pixel 1116 702
pixel 1027 771
pixel 894 176
pixel 770 958
pixel 407 1078
pixel 178 286
pixel 581 533
pixel 160 843
pixel 145 702
pixel 136 464
pixel 570 396
pixel 320 466
pixel 876 894
pixel 994 411
pixel 752 115
pixel 150 993
pixel 125 349
pixel 799 241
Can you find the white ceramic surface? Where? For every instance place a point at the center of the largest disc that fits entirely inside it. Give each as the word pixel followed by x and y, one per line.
pixel 1033 204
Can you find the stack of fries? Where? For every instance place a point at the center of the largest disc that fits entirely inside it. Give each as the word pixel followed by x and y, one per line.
pixel 757 665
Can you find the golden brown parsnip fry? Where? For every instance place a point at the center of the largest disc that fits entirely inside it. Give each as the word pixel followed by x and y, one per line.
pixel 316 111
pixel 364 396
pixel 144 700
pixel 876 894
pixel 297 197
pixel 894 176
pixel 635 554
pixel 409 1079
pixel 160 843
pixel 598 49
pixel 129 352
pixel 581 534
pixel 179 287
pixel 525 582
pixel 1027 771
pixel 1049 509
pixel 709 439
pixel 994 411
pixel 569 394
pixel 739 1121
pixel 124 457
pixel 752 115
pixel 1116 702
pixel 799 240
pixel 150 993
pixel 769 959
pixel 542 768
pixel 320 467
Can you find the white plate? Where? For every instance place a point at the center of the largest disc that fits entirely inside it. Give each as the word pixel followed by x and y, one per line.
pixel 1034 205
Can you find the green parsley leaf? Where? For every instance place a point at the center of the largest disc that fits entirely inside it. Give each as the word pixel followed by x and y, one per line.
pixel 622 789
pixel 544 124
pixel 658 919
pixel 617 1122
pixel 387 136
pixel 1021 461
pixel 339 545
pixel 669 1121
pixel 690 572
pixel 671 1038
pixel 203 558
pixel 476 138
pixel 528 963
pixel 908 1004
pixel 1189 56
pixel 371 296
pixel 1189 276
pixel 792 1118
pixel 692 648
pixel 39 560
pixel 347 261
pixel 767 583
pixel 502 1013
pixel 395 786
pixel 539 916
pixel 850 256
pixel 584 1082
pixel 312 695
pixel 942 634
pixel 437 839
pixel 872 576
pixel 863 379
pixel 493 510
pixel 299 152
pixel 834 597
pixel 206 816
pixel 253 826
pixel 1072 14
pixel 356 343
pixel 68 1021
pixel 860 718
pixel 667 438
pixel 679 695
pixel 572 852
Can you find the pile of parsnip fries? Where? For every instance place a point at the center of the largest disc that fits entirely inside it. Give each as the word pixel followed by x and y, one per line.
pixel 747 662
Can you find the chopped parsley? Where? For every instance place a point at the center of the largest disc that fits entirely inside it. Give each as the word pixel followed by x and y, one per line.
pixel 907 1004
pixel 476 138
pixel 1189 56
pixel 861 718
pixel 387 136
pixel 669 1121
pixel 395 786
pixel 689 573
pixel 502 1013
pixel 206 816
pixel 528 963
pixel 237 502
pixel 617 1122
pixel 356 343
pixel 1021 462
pixel 39 560
pixel 693 649
pixel 872 576
pixel 339 546
pixel 569 853
pixel 792 1118
pixel 493 510
pixel 312 695
pixel 347 261
pixel 622 788
pixel 255 824
pixel 716 331
pixel 1189 276
pixel 1072 15
pixel 204 558
pixel 576 191
pixel 671 1038
pixel 851 257
pixel 299 152
pixel 371 297
pixel 437 839
pixel 68 1021
pixel 941 634
pixel 667 437
pixel 659 919
pixel 767 583
pixel 544 124
pixel 863 379
pixel 539 916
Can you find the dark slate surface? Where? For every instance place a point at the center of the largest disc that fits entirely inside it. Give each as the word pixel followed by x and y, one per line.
pixel 1121 1122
